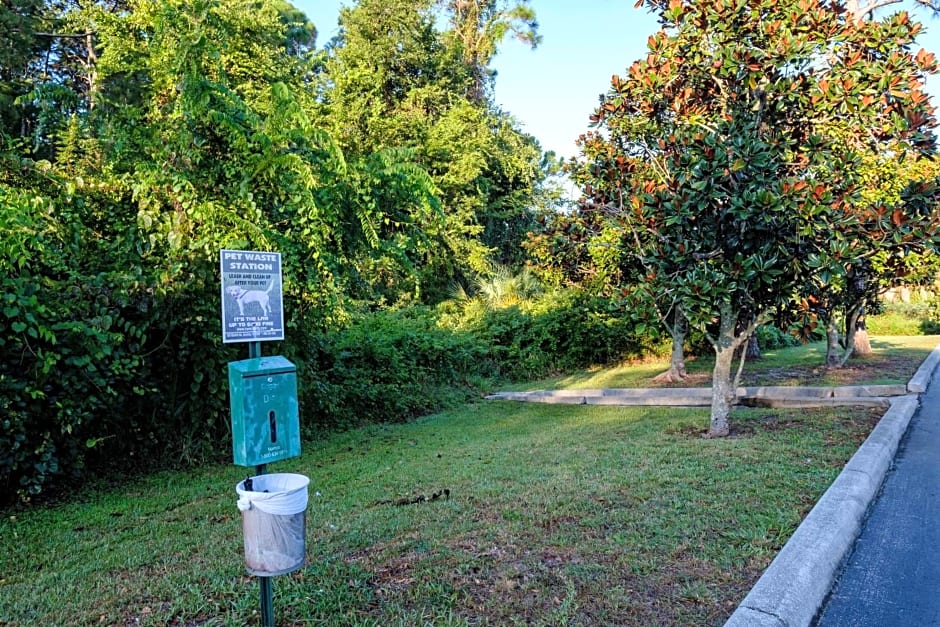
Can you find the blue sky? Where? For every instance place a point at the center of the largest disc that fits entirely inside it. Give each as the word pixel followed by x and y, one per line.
pixel 553 89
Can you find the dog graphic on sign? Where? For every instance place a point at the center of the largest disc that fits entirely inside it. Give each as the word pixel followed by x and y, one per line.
pixel 243 297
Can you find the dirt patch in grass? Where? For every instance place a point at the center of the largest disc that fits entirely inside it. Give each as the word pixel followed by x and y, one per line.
pixel 741 428
pixel 880 367
pixel 700 433
pixel 857 371
pixel 892 361
pixel 692 380
pixel 538 583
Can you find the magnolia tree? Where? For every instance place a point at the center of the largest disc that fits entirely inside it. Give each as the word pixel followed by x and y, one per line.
pixel 878 238
pixel 886 240
pixel 712 155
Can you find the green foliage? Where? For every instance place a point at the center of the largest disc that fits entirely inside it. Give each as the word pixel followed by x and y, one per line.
pixel 171 129
pixel 19 20
pixel 393 365
pixel 392 79
pixel 70 340
pixel 477 29
pixel 770 337
pixel 388 367
pixel 110 341
pixel 894 323
pixel 900 318
pixel 505 287
pixel 559 332
pixel 931 324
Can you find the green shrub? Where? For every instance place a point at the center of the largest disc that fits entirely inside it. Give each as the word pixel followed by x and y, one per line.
pixel 899 318
pixel 388 367
pixel 560 332
pixel 69 347
pixel 103 364
pixel 930 322
pixel 890 323
pixel 770 337
pixel 914 310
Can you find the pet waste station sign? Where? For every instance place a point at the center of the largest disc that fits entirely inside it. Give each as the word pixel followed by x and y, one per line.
pixel 252 305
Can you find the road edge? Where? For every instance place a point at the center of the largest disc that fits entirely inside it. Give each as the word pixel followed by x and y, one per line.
pixel 797 582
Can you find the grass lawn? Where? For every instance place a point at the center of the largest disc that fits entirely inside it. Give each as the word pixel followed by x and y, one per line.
pixel 558 515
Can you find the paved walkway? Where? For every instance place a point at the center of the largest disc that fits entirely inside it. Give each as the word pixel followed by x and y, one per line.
pixel 892 576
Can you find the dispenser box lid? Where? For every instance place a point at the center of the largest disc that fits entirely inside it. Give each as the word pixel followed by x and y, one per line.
pixel 274 364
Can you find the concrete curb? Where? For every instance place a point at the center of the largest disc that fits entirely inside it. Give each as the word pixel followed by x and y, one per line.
pixel 795 585
pixel 918 383
pixel 768 396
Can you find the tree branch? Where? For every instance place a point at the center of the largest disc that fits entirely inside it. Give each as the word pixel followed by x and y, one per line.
pixel 66 35
pixel 859 10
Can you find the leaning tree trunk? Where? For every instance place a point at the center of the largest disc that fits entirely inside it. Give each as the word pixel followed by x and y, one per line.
pixel 678 330
pixel 856 337
pixel 833 348
pixel 862 342
pixel 753 347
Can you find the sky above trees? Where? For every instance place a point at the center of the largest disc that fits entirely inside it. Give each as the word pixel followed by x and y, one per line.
pixel 553 89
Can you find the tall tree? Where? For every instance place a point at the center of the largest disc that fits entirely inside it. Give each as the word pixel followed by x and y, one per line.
pixel 19 21
pixel 477 29
pixel 714 161
pixel 393 79
pixel 856 336
pixel 887 241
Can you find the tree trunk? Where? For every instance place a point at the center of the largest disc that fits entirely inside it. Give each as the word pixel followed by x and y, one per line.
pixel 856 336
pixel 724 387
pixel 862 342
pixel 859 11
pixel 723 392
pixel 753 348
pixel 678 330
pixel 91 64
pixel 833 357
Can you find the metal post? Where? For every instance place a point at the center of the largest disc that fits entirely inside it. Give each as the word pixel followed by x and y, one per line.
pixel 267 593
pixel 267 602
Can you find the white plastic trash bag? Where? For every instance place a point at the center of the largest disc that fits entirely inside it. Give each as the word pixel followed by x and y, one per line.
pixel 273 521
pixel 278 493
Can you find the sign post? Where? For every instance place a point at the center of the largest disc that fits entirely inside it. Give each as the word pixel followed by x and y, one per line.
pixel 253 312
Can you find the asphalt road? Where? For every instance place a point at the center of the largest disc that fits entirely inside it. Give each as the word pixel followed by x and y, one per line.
pixel 892 577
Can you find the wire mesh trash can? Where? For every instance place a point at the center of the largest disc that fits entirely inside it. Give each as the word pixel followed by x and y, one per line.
pixel 273 522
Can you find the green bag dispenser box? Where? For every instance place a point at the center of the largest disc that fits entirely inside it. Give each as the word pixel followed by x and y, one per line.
pixel 265 420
